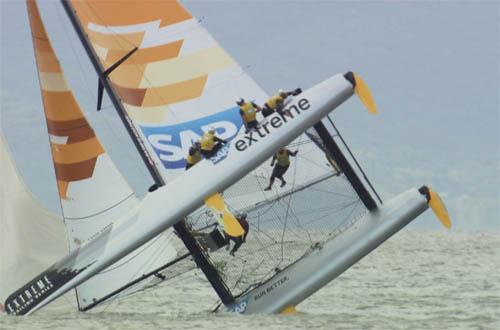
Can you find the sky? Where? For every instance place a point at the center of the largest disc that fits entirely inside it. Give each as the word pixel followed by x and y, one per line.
pixel 432 66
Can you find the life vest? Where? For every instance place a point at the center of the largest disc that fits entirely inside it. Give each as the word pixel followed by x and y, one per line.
pixel 249 112
pixel 283 158
pixel 207 141
pixel 195 158
pixel 274 101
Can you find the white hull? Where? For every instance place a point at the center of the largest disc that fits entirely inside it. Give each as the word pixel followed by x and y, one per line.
pixel 325 263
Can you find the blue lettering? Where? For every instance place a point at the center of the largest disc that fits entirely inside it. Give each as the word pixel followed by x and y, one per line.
pixel 171 143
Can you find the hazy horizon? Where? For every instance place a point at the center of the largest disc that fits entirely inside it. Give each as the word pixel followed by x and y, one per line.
pixel 433 67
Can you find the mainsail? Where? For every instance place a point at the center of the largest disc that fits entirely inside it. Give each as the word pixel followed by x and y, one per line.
pixel 32 237
pixel 92 191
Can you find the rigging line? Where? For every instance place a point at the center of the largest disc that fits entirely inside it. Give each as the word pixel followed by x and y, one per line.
pixel 295 231
pixel 169 280
pixel 278 197
pixel 332 210
pixel 105 210
pixel 133 283
pixel 355 160
pixel 289 201
pixel 137 253
pixel 339 223
pixel 125 291
pixel 337 193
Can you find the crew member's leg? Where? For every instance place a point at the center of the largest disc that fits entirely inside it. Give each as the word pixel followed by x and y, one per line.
pixel 227 241
pixel 267 111
pixel 273 176
pixel 238 241
pixel 281 171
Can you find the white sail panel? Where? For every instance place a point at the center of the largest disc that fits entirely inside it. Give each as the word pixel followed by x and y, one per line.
pixel 93 192
pixel 32 237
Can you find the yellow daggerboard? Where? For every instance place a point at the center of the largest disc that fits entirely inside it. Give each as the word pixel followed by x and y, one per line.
pixel 231 226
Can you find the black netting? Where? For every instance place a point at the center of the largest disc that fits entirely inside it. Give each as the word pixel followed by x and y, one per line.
pixel 283 226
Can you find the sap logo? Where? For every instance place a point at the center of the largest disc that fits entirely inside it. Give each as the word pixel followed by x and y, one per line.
pixel 172 143
pixel 221 154
pixel 239 307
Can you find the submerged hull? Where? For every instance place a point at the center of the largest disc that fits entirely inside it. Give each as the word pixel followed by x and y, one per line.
pixel 324 263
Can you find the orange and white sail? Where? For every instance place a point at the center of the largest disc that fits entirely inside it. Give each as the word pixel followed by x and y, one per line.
pixel 178 83
pixel 93 192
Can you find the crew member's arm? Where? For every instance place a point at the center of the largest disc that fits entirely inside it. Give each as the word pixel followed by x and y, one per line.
pixel 273 160
pixel 293 153
pixel 219 139
pixel 257 107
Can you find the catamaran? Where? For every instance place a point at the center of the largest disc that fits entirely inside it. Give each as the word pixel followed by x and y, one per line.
pixel 170 81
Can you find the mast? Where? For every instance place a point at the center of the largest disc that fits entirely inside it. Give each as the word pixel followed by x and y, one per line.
pixel 349 172
pixel 189 241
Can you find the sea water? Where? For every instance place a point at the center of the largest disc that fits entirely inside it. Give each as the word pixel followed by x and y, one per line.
pixel 416 280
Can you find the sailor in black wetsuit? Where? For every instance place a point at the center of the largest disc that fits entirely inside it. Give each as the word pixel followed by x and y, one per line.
pixel 242 219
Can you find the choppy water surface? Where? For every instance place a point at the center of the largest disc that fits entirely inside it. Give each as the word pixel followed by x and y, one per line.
pixel 415 280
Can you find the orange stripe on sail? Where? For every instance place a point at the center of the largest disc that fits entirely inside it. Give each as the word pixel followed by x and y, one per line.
pixel 35 19
pixel 75 172
pixel 128 75
pixel 152 97
pixel 182 91
pixel 125 42
pixel 62 186
pixel 76 152
pixel 47 62
pixel 45 58
pixel 122 13
pixel 74 135
pixel 133 96
pixel 146 55
pixel 61 106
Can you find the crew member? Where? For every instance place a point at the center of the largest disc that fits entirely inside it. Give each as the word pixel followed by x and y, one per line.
pixel 194 155
pixel 242 219
pixel 210 143
pixel 282 160
pixel 248 113
pixel 277 102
